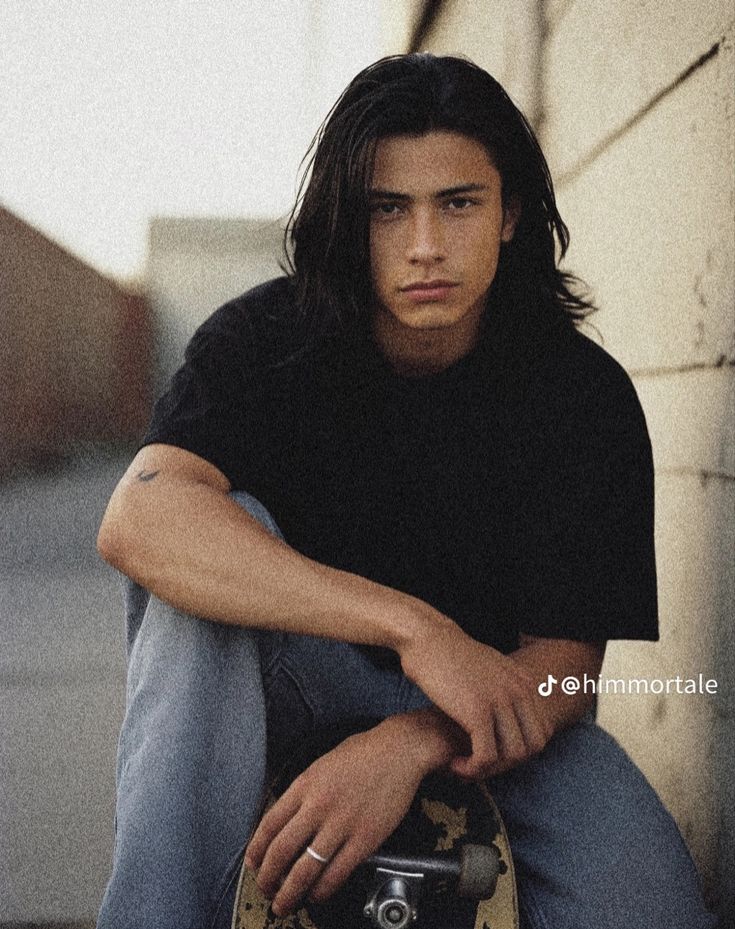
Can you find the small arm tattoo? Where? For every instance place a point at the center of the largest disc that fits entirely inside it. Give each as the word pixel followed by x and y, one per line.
pixel 146 475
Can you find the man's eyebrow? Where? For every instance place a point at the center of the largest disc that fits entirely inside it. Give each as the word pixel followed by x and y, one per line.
pixel 378 194
pixel 462 189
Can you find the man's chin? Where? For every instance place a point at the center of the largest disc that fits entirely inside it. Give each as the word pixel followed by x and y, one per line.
pixel 428 318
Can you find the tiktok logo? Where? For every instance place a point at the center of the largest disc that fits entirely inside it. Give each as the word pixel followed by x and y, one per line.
pixel 545 689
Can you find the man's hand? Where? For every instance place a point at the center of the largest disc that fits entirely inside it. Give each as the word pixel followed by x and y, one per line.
pixel 541 656
pixel 343 806
pixel 489 695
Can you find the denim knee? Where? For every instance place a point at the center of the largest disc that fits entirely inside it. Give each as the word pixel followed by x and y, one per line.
pixel 593 843
pixel 256 510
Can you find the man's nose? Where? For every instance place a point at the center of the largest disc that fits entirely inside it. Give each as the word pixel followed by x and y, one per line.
pixel 427 243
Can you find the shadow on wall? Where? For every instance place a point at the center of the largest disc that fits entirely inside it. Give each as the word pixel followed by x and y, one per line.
pixel 75 352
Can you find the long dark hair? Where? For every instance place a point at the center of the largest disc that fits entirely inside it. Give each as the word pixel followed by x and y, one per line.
pixel 327 236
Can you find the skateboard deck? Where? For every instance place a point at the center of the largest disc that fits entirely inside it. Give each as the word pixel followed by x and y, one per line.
pixel 446 815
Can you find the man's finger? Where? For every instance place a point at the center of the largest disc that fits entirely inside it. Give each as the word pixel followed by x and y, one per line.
pixel 338 870
pixel 270 825
pixel 534 734
pixel 306 871
pixel 511 744
pixel 283 851
pixel 484 754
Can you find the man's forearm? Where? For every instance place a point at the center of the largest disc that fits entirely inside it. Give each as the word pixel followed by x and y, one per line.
pixel 194 547
pixel 431 737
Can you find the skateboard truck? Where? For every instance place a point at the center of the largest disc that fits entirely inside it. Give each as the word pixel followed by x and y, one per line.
pixel 400 882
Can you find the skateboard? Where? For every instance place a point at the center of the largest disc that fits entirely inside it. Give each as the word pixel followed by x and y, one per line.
pixel 448 865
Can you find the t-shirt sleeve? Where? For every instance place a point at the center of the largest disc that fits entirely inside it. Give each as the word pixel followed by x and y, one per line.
pixel 223 403
pixel 205 408
pixel 584 561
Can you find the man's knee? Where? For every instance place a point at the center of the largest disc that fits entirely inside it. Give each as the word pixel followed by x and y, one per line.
pixel 587 807
pixel 256 509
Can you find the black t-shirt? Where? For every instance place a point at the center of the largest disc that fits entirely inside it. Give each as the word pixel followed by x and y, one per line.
pixel 513 493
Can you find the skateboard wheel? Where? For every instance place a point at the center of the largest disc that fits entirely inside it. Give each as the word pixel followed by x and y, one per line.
pixel 392 907
pixel 479 869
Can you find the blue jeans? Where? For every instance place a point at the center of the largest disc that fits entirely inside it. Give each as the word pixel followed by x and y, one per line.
pixel 592 843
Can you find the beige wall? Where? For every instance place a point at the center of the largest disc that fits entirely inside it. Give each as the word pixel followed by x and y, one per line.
pixel 639 128
pixel 634 103
pixel 195 265
pixel 502 37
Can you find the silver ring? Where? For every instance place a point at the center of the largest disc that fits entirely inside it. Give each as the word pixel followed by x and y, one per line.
pixel 315 855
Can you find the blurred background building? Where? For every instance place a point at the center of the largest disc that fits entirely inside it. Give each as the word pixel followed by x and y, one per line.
pixel 148 157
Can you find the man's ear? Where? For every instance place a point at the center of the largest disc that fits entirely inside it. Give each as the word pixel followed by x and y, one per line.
pixel 511 216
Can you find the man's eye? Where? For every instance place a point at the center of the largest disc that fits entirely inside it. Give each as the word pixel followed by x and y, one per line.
pixel 460 203
pixel 385 209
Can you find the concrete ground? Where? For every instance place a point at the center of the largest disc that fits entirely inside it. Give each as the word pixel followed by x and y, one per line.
pixel 62 678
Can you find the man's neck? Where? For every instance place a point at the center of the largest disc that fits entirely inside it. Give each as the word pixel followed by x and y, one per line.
pixel 421 352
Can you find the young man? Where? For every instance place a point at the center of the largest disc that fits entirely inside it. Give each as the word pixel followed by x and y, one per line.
pixel 397 484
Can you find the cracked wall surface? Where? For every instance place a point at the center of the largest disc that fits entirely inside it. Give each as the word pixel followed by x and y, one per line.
pixel 638 122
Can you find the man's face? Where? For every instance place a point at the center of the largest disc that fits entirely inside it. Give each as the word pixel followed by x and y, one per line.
pixel 436 226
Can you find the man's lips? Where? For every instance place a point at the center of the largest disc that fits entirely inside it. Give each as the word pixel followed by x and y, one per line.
pixel 429 285
pixel 429 290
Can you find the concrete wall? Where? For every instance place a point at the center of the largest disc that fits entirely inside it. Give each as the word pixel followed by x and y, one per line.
pixel 195 265
pixel 502 37
pixel 639 128
pixel 74 350
pixel 635 110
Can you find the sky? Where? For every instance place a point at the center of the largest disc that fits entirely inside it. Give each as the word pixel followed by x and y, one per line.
pixel 113 111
